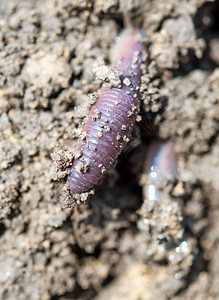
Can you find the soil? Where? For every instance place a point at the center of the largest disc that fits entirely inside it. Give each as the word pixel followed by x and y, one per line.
pixel 102 249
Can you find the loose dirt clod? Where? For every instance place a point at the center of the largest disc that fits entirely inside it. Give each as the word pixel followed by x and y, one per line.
pixel 108 74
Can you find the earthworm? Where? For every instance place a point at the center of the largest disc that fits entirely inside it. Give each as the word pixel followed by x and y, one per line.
pixel 161 215
pixel 112 118
pixel 160 168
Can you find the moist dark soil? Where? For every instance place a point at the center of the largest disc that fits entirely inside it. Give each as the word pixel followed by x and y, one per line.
pixel 114 245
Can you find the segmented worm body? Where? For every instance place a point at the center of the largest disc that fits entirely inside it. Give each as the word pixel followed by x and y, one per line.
pixel 162 214
pixel 160 168
pixel 111 119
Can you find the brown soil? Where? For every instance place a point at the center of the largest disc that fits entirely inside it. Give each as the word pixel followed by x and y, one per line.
pixel 102 249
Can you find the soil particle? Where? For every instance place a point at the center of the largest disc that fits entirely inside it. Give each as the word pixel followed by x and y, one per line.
pixel 63 161
pixel 197 133
pixel 162 220
pixel 176 38
pixel 43 68
pixel 106 73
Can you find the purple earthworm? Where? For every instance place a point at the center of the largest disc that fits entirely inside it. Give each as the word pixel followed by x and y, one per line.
pixel 160 168
pixel 111 119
